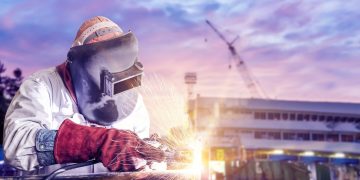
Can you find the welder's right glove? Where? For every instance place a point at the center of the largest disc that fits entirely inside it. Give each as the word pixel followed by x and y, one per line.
pixel 118 150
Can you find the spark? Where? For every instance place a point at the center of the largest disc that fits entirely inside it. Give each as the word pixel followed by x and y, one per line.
pixel 197 163
pixel 166 105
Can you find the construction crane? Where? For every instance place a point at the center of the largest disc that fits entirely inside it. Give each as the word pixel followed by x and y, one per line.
pixel 252 86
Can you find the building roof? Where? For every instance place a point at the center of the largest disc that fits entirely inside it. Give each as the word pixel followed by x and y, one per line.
pixel 282 105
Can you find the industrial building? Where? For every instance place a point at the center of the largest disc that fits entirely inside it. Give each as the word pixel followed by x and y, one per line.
pixel 263 138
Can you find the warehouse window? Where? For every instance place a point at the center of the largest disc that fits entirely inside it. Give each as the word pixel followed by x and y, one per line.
pixel 277 116
pixel 347 138
pixel 260 115
pixel 344 119
pixel 300 117
pixel 307 117
pixel 314 117
pixel 271 116
pixel 318 137
pixel 285 116
pixel 329 118
pixel 303 136
pixel 260 135
pixel 357 138
pixel 292 116
pixel 332 137
pixel 337 119
pixel 351 119
pixel 274 135
pixel 289 136
pixel 257 115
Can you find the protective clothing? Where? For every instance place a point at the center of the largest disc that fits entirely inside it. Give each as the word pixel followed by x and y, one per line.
pixel 96 29
pixel 49 97
pixel 118 150
pixel 43 102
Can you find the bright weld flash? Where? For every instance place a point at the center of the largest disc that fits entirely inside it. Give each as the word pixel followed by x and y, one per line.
pixel 196 165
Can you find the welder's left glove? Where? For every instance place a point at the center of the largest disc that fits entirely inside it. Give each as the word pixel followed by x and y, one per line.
pixel 118 150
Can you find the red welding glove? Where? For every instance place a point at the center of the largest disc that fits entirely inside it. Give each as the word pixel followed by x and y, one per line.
pixel 118 150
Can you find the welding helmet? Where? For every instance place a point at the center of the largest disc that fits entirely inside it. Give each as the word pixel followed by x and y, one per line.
pixel 104 74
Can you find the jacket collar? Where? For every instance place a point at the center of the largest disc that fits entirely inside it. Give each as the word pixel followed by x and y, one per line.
pixel 64 73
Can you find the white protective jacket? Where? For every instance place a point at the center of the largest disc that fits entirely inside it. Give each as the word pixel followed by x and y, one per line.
pixel 43 102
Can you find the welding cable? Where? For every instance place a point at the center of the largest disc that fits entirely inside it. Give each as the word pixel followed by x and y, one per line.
pixel 69 167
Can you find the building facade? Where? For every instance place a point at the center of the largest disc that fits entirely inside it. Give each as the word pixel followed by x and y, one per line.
pixel 309 133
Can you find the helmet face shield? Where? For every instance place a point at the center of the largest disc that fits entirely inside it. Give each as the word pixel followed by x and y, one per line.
pixel 104 75
pixel 115 83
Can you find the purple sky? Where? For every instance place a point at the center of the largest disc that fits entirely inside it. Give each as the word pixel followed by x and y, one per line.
pixel 300 50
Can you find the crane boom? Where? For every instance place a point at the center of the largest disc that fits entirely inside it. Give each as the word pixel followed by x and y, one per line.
pixel 251 85
pixel 217 32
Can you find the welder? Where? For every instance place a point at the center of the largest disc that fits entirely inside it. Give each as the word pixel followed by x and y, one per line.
pixel 86 108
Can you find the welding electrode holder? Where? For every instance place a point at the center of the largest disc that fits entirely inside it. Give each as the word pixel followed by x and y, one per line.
pixel 172 153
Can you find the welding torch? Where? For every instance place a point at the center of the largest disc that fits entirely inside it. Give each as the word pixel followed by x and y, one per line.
pixel 173 153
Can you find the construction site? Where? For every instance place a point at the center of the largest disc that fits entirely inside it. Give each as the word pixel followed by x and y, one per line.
pixel 210 90
pixel 263 138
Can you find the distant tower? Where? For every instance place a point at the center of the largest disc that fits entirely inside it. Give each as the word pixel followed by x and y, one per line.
pixel 190 81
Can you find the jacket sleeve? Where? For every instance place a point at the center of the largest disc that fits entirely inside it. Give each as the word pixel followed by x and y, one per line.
pixel 28 113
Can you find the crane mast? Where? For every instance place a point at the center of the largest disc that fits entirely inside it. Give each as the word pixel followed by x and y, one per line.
pixel 255 91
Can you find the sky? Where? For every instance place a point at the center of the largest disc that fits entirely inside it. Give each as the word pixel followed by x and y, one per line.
pixel 295 50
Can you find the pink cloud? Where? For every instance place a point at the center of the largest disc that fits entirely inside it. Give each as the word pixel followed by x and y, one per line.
pixel 286 47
